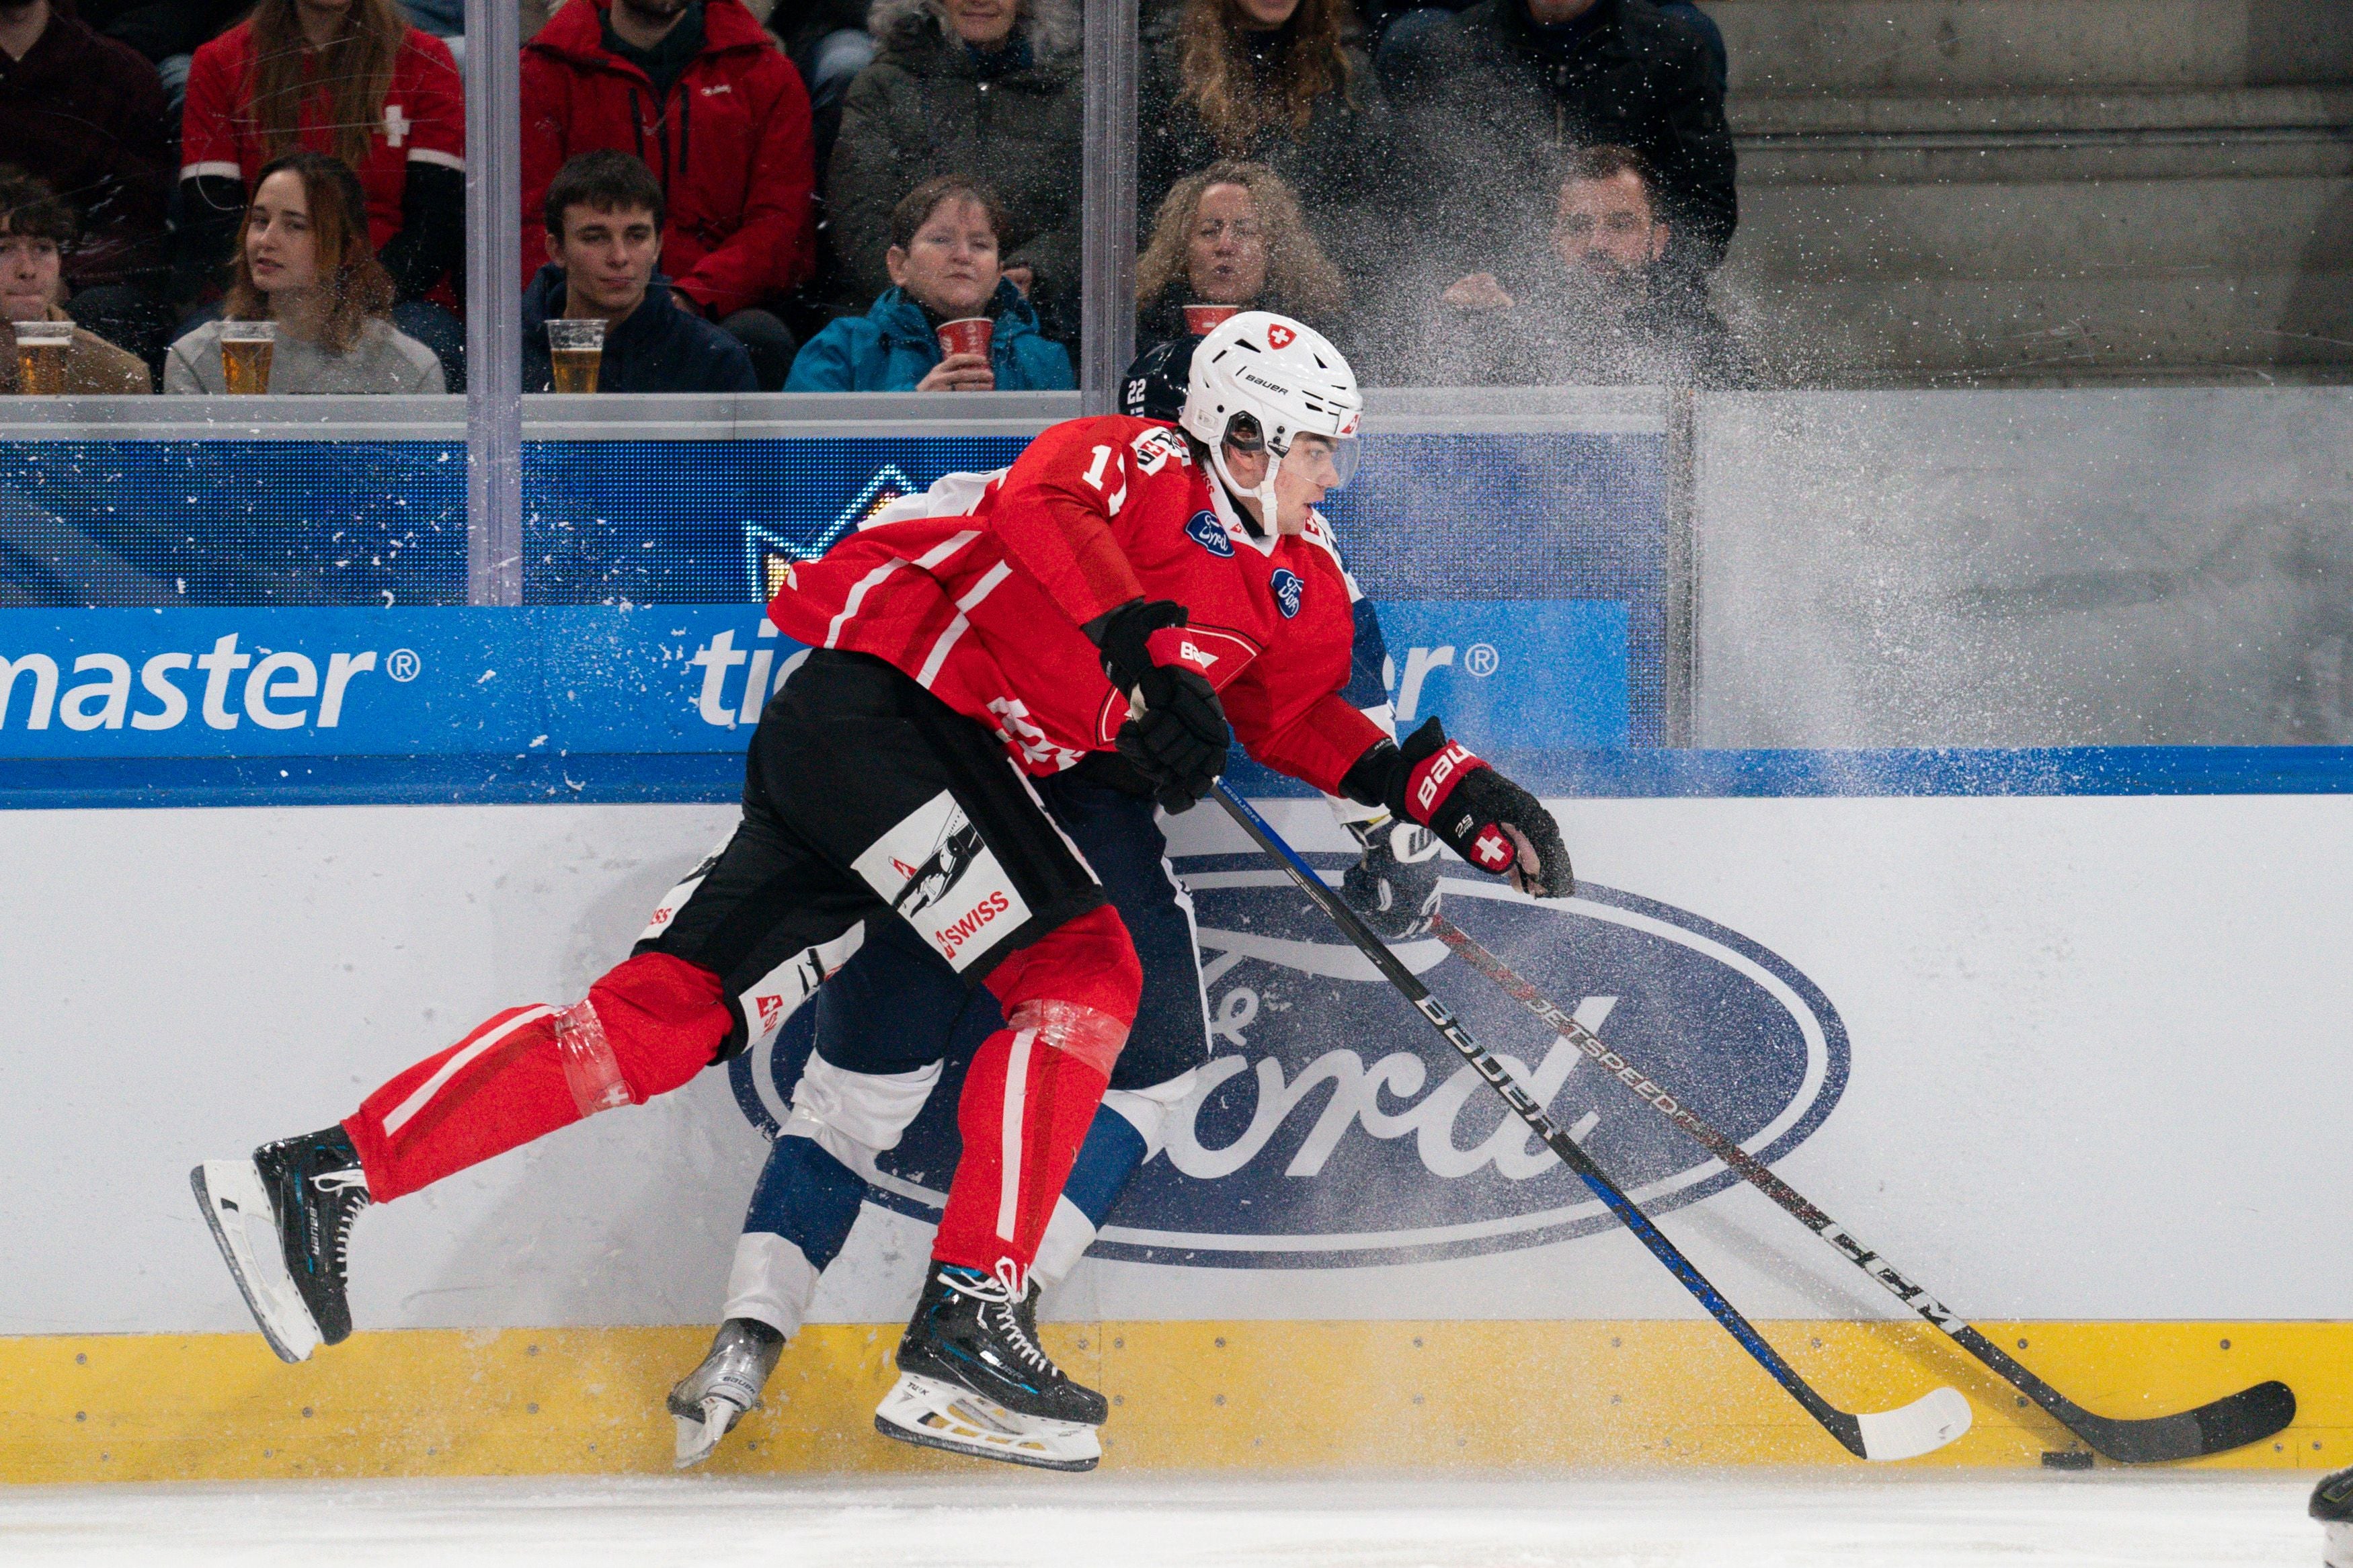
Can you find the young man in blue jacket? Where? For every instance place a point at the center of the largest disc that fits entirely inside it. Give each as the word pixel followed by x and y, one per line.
pixel 604 214
pixel 944 267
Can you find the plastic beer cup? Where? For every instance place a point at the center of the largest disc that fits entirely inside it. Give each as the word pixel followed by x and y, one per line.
pixel 246 351
pixel 41 350
pixel 576 346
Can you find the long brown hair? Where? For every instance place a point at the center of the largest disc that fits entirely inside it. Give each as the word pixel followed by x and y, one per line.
pixel 1213 80
pixel 1298 273
pixel 357 285
pixel 356 71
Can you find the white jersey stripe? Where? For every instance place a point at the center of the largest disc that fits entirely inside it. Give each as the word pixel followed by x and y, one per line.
pixel 416 1103
pixel 1017 1098
pixel 955 628
pixel 860 589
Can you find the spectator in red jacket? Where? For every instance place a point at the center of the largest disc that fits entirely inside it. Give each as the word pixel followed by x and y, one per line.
pixel 85 115
pixel 353 80
pixel 698 89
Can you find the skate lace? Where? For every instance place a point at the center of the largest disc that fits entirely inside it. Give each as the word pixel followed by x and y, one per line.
pixel 1017 1291
pixel 341 1182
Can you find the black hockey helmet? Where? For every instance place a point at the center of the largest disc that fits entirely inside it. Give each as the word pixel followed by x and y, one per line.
pixel 1154 387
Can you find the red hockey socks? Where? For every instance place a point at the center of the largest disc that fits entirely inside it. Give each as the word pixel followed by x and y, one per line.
pixel 1031 1091
pixel 647 1026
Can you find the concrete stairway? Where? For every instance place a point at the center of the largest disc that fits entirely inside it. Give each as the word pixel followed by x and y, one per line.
pixel 1985 192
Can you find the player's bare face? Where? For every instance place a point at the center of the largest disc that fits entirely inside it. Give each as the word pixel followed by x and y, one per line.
pixel 1225 256
pixel 950 267
pixel 28 276
pixel 281 249
pixel 1307 473
pixel 1605 230
pixel 608 258
pixel 983 23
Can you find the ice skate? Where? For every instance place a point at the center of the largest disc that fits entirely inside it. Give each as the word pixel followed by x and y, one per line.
pixel 710 1399
pixel 283 1222
pixel 974 1380
pixel 2332 1504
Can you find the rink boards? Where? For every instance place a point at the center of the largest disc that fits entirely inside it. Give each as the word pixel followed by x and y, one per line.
pixel 2074 1060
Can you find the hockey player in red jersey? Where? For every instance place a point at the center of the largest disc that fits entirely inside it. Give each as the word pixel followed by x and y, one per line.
pixel 1123 587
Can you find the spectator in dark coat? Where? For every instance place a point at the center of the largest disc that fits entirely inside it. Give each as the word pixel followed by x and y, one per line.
pixel 1401 27
pixel 86 116
pixel 1233 235
pixel 1593 306
pixel 165 33
pixel 603 216
pixel 1281 83
pixel 1500 92
pixel 985 90
pixel 826 40
pixel 698 90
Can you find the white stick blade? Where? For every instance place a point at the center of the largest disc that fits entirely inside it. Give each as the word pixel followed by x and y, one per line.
pixel 1923 1426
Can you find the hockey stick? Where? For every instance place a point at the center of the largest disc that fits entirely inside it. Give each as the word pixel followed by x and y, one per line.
pixel 1923 1426
pixel 2233 1421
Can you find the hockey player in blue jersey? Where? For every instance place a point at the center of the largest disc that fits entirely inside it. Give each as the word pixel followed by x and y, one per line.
pixel 896 1017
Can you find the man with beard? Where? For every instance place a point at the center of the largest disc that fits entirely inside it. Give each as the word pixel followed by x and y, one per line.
pixel 699 91
pixel 1595 304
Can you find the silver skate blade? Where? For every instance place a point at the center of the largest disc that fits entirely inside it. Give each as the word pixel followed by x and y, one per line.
pixel 1923 1426
pixel 698 1437
pixel 235 1201
pixel 935 1414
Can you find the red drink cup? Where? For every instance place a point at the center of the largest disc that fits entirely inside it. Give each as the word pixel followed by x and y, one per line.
pixel 1202 320
pixel 967 336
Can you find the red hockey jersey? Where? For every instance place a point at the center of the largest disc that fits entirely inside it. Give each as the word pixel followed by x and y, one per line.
pixel 984 609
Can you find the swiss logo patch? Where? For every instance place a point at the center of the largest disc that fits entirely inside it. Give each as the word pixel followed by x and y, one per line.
pixel 1207 532
pixel 1288 591
pixel 1280 337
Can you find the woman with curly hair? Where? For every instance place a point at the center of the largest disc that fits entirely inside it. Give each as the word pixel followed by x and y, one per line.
pixel 1233 235
pixel 303 261
pixel 1277 82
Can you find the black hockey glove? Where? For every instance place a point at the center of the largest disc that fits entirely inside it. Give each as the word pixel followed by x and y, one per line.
pixel 1481 816
pixel 1394 886
pixel 1176 735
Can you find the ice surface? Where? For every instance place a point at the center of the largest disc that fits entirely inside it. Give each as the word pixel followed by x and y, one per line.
pixel 1690 1519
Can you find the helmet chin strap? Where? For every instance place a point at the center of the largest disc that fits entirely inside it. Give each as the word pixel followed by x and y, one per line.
pixel 1263 494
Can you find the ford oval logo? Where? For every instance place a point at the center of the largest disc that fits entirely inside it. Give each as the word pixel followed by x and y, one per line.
pixel 1288 591
pixel 1207 532
pixel 1332 1128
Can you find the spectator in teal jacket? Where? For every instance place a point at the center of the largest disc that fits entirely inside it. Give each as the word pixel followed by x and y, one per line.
pixel 944 268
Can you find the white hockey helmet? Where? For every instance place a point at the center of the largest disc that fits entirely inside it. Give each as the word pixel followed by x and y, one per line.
pixel 1288 379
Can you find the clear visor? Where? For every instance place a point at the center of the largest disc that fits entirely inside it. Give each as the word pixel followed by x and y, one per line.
pixel 1341 452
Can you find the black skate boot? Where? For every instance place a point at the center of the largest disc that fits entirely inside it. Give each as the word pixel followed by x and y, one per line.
pixel 972 1379
pixel 710 1399
pixel 2332 1504
pixel 302 1194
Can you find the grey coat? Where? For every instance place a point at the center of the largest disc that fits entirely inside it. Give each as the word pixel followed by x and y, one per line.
pixel 925 107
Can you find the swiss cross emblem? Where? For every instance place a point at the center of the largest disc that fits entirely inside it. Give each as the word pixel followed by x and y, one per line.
pixel 1280 337
pixel 397 125
pixel 1493 853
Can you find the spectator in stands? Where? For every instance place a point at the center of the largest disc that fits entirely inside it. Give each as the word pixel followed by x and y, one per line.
pixel 699 91
pixel 303 261
pixel 1500 92
pixel 1595 306
pixel 1283 83
pixel 352 80
pixel 985 90
pixel 828 42
pixel 603 221
pixel 86 116
pixel 1401 27
pixel 165 33
pixel 36 232
pixel 944 268
pixel 1233 235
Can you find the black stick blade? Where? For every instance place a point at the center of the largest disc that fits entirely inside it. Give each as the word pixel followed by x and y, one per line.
pixel 2231 1422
